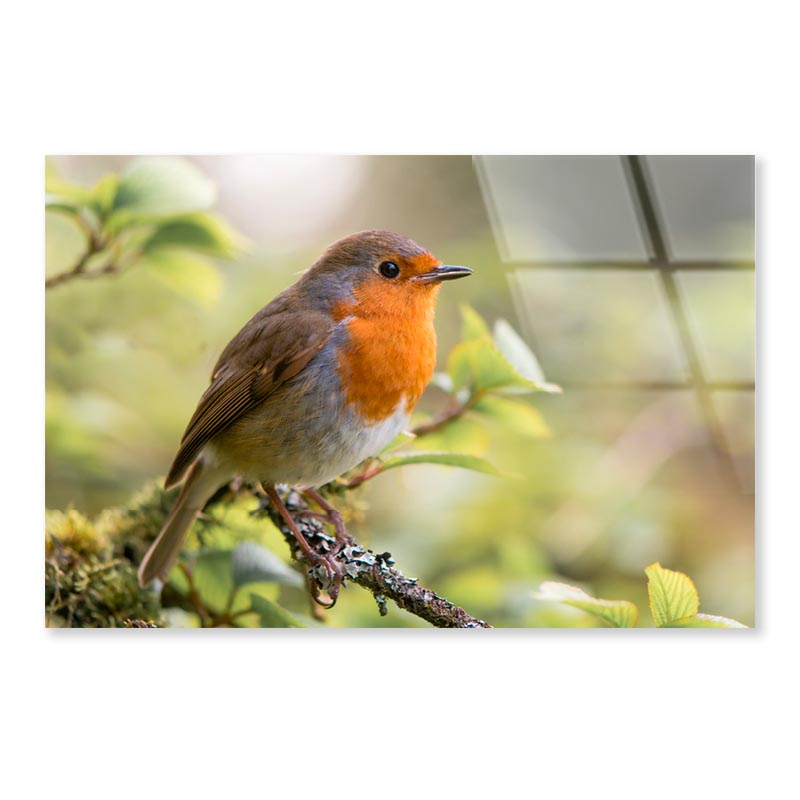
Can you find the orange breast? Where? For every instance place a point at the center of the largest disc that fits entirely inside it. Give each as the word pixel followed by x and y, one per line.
pixel 391 353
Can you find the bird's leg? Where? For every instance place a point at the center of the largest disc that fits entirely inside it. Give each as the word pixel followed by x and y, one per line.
pixel 328 561
pixel 332 515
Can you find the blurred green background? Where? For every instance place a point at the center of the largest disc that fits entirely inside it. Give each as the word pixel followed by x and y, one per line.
pixel 634 470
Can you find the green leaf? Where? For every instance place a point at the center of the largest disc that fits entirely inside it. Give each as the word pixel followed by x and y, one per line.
pixel 463 460
pixel 705 621
pixel 482 364
pixel 54 202
pixel 202 232
pixel 70 193
pixel 272 615
pixel 479 366
pixel 672 595
pixel 213 578
pixel 464 434
pixel 473 325
pixel 101 198
pixel 517 414
pixel 160 186
pixel 517 352
pixel 178 581
pixel 253 563
pixel 617 613
pixel 189 275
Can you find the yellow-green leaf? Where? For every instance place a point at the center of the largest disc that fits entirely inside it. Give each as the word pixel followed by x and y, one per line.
pixel 473 325
pixel 54 202
pixel 202 232
pixel 254 563
pixel 189 275
pixel 177 580
pixel 479 366
pixel 672 595
pixel 517 414
pixel 706 621
pixel 271 614
pixel 102 195
pixel 68 192
pixel 517 352
pixel 212 575
pixel 617 613
pixel 160 186
pixel 465 434
pixel 463 460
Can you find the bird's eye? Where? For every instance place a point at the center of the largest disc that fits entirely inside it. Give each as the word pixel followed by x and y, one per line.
pixel 389 269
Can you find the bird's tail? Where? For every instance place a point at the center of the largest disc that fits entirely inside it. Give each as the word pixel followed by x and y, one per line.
pixel 201 482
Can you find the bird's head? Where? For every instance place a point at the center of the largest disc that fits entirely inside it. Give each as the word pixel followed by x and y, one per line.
pixel 379 273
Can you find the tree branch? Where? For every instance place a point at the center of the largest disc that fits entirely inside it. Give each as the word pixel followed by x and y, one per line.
pixel 454 412
pixel 451 413
pixel 373 571
pixel 96 244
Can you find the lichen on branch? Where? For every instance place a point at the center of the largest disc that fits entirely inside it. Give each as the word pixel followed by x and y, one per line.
pixel 372 571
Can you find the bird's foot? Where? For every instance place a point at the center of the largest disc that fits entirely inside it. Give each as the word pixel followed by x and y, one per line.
pixel 328 563
pixel 326 574
pixel 328 570
pixel 329 514
pixel 343 538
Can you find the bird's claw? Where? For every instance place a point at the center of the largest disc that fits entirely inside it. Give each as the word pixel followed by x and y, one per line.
pixel 328 570
pixel 326 574
pixel 334 519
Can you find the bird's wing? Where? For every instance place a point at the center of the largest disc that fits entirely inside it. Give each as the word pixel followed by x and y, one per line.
pixel 272 348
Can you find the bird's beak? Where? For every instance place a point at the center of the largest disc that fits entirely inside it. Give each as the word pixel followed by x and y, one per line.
pixel 443 272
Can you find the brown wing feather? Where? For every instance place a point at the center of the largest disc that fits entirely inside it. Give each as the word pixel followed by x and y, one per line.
pixel 272 348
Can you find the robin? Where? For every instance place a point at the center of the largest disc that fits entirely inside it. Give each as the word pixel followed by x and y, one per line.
pixel 322 377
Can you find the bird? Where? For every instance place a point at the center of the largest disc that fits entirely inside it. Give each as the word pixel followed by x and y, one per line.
pixel 322 377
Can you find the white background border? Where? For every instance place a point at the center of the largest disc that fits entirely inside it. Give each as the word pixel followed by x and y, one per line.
pixel 376 713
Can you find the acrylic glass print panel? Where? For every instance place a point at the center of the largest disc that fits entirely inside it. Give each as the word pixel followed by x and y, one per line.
pixel 582 454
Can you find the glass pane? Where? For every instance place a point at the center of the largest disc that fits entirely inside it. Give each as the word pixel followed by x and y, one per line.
pixel 631 445
pixel 720 307
pixel 708 205
pixel 736 411
pixel 606 325
pixel 561 208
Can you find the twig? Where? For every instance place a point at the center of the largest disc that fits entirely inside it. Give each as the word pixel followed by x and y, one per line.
pixel 375 572
pixel 363 477
pixel 112 268
pixel 451 413
pixel 448 415
pixel 96 244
